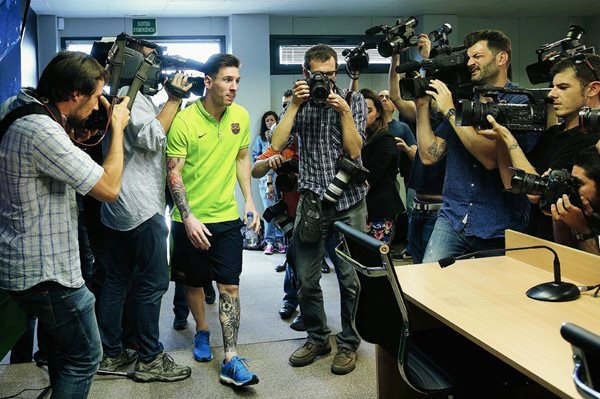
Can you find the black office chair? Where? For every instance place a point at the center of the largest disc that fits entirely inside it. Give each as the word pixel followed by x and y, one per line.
pixel 586 356
pixel 432 361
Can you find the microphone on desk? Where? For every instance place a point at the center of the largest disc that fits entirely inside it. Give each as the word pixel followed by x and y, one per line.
pixel 554 291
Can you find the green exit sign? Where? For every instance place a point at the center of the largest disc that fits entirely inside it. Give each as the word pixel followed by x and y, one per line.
pixel 143 27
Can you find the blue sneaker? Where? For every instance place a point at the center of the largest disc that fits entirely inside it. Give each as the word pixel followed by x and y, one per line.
pixel 202 351
pixel 235 372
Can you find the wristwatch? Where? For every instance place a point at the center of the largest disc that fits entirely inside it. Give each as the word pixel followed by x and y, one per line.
pixel 581 237
pixel 451 111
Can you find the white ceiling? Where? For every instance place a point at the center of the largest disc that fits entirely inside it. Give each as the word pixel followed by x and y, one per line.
pixel 312 8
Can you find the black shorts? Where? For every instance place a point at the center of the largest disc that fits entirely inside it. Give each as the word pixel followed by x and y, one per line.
pixel 222 262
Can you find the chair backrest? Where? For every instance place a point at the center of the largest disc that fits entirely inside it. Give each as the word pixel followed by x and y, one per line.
pixel 382 315
pixel 586 356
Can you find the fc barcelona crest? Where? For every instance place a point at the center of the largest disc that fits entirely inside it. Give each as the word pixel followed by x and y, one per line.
pixel 235 128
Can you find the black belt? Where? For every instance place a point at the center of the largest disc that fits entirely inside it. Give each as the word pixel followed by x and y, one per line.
pixel 426 206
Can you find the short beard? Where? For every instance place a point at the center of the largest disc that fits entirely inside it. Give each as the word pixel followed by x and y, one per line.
pixel 76 122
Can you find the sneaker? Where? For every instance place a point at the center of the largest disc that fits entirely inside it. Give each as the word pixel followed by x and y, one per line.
pixel 308 352
pixel 235 372
pixel 279 247
pixel 126 357
pixel 325 267
pixel 344 361
pixel 280 268
pixel 405 254
pixel 162 368
pixel 202 351
pixel 269 249
pixel 180 324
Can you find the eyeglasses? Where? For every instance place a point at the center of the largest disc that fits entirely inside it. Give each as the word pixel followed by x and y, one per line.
pixel 330 74
pixel 582 59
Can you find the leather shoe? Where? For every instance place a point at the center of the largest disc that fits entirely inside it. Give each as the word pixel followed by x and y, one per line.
pixel 180 324
pixel 280 268
pixel 298 324
pixel 307 353
pixel 286 311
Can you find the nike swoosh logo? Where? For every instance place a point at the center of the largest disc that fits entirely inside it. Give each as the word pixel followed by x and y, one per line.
pixel 202 135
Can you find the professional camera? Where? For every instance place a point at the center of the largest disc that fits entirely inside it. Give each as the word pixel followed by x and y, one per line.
pixel 98 119
pixel 319 87
pixel 397 38
pixel 357 59
pixel 449 68
pixel 279 212
pixel 550 188
pixel 440 37
pixel 287 176
pixel 589 119
pixel 347 170
pixel 515 117
pixel 548 54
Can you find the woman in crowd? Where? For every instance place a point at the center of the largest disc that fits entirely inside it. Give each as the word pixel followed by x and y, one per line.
pixel 273 235
pixel 379 155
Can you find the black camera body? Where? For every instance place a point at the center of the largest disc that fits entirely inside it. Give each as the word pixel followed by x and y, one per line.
pixel 569 46
pixel 589 119
pixel 319 87
pixel 98 119
pixel 347 171
pixel 550 188
pixel 397 38
pixel 529 117
pixel 279 212
pixel 287 176
pixel 357 59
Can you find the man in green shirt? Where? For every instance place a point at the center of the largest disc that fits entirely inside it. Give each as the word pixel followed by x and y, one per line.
pixel 207 150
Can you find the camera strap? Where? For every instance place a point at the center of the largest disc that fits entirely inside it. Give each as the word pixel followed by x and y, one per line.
pixel 140 77
pixel 116 59
pixel 29 109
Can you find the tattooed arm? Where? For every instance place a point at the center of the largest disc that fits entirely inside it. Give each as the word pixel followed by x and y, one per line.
pixel 431 148
pixel 196 230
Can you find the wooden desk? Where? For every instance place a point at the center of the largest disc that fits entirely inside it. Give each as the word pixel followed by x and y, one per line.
pixel 484 299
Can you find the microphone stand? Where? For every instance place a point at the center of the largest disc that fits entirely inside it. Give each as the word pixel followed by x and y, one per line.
pixel 553 291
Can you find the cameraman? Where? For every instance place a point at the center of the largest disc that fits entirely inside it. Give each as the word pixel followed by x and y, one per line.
pixel 574 221
pixel 326 132
pixel 576 84
pixel 40 172
pixel 475 210
pixel 137 237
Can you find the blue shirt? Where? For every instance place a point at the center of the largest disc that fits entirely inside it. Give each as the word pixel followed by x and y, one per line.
pixel 474 200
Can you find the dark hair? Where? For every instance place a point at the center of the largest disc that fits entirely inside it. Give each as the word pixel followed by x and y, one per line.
pixel 70 71
pixel 217 61
pixel 496 41
pixel 583 72
pixel 319 53
pixel 263 126
pixel 379 126
pixel 589 160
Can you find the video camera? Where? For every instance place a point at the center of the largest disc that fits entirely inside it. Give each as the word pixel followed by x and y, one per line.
pixel 357 59
pixel 450 68
pixel 440 37
pixel 529 117
pixel 347 170
pixel 279 212
pixel 550 188
pixel 397 38
pixel 589 119
pixel 548 54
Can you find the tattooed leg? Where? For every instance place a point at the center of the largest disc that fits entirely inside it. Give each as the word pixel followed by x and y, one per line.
pixel 229 315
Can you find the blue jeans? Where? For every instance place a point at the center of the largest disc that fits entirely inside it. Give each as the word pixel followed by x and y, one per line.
pixel 445 241
pixel 145 247
pixel 74 349
pixel 420 227
pixel 308 266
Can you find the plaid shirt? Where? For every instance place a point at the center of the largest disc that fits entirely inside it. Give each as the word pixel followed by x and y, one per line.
pixel 319 129
pixel 40 170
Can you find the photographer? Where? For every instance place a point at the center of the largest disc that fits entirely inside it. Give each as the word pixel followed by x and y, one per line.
pixel 40 172
pixel 575 221
pixel 137 237
pixel 576 84
pixel 475 210
pixel 328 127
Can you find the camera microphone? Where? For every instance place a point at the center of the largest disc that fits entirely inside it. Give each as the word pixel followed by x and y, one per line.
pixel 374 30
pixel 408 66
pixel 554 291
pixel 183 63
